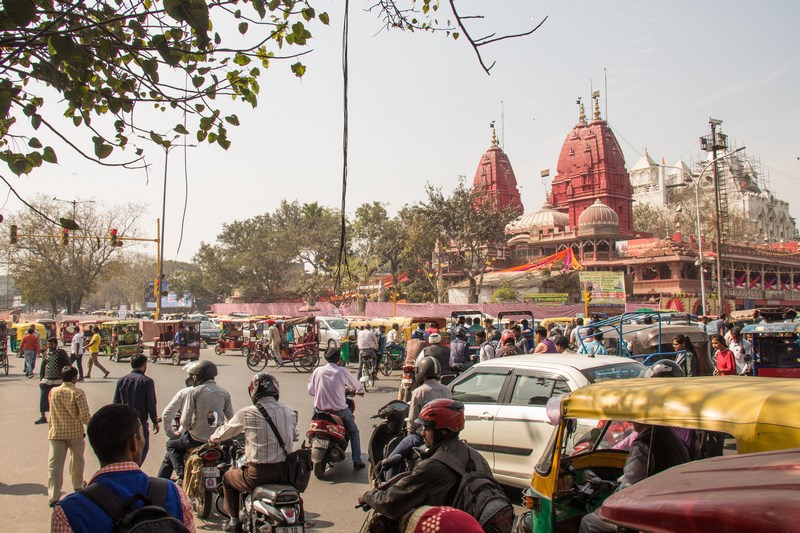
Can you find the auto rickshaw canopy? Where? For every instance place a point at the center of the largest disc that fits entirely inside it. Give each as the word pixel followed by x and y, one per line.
pixel 759 412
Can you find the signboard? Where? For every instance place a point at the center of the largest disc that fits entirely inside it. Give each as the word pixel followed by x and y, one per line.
pixel 605 287
pixel 634 247
pixel 170 300
pixel 554 298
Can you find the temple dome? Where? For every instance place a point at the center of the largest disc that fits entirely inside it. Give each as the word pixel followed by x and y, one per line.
pixel 547 216
pixel 598 215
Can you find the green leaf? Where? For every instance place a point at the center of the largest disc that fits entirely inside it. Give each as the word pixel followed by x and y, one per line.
pixel 308 13
pixel 77 120
pixel 260 9
pixel 101 149
pixel 20 11
pixel 49 155
pixel 299 69
pixel 273 4
pixel 35 159
pixel 34 143
pixel 243 27
pixel 5 103
pixel 241 59
pixel 174 9
pixel 233 119
pixel 324 18
pixel 158 139
pixel 198 82
pixel 456 35
pixel 181 129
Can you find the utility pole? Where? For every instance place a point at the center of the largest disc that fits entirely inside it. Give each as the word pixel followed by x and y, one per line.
pixel 72 283
pixel 711 144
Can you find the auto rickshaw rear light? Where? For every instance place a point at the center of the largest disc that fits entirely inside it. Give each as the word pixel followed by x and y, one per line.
pixel 534 503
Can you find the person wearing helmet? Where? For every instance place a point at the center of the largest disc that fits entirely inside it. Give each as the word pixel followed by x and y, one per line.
pixel 328 385
pixel 427 373
pixel 431 482
pixel 459 350
pixel 207 405
pixel 437 351
pixel 265 456
pixel 413 348
pixel 508 345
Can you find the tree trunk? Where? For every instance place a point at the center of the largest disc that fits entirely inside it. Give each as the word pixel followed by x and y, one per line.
pixel 473 291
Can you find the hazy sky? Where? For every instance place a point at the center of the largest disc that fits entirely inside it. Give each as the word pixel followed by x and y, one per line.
pixel 420 108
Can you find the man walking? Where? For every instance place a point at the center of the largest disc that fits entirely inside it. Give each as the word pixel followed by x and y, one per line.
pixel 29 347
pixel 50 375
pixel 69 412
pixel 139 391
pixel 94 349
pixel 275 341
pixel 77 351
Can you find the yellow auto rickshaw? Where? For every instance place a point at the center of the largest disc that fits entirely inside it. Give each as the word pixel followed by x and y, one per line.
pixel 587 449
pixel 19 330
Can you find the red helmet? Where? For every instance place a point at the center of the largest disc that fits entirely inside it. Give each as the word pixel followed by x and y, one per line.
pixel 442 413
pixel 507 334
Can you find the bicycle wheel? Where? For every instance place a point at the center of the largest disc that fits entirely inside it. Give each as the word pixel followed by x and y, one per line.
pixel 386 366
pixel 305 361
pixel 256 361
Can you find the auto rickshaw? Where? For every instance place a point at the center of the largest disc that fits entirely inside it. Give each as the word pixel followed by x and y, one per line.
pixel 21 328
pixel 349 347
pixel 776 349
pixel 67 329
pixel 409 323
pixel 125 338
pixel 49 328
pixel 475 315
pixel 696 497
pixel 87 326
pixel 164 345
pixel 239 334
pixel 586 454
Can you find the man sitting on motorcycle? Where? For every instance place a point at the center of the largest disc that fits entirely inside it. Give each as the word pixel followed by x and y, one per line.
pixel 437 351
pixel 328 385
pixel 431 482
pixel 265 456
pixel 459 351
pixel 413 348
pixel 427 374
pixel 206 406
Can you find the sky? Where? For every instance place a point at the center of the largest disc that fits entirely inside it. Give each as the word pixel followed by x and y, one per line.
pixel 420 109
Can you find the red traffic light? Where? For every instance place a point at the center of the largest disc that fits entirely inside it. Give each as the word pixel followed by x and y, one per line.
pixel 114 240
pixel 64 236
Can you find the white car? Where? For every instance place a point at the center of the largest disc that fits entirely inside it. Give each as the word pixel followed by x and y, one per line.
pixel 505 401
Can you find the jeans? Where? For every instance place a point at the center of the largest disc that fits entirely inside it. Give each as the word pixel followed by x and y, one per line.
pixel 351 429
pixel 404 448
pixel 30 361
pixel 174 458
pixel 78 359
pixel 146 431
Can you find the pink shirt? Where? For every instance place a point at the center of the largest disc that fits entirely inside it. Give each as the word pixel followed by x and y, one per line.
pixel 327 385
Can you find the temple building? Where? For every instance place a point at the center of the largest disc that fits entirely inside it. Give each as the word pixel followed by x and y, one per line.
pixel 496 178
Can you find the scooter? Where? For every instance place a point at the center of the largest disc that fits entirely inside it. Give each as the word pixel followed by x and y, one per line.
pixel 407 383
pixel 328 438
pixel 387 434
pixel 271 507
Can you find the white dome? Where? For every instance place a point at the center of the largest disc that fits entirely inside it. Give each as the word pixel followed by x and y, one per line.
pixel 598 214
pixel 547 216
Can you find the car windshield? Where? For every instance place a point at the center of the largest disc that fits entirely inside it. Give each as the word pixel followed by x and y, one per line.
pixel 337 323
pixel 615 371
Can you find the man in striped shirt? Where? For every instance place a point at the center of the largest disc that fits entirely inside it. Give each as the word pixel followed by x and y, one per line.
pixel 262 448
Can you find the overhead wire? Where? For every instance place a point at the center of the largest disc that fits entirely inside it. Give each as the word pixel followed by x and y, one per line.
pixel 342 265
pixel 29 206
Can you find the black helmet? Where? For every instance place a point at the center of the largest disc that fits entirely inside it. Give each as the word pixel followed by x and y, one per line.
pixel 204 370
pixel 461 333
pixel 264 384
pixel 496 335
pixel 665 368
pixel 428 367
pixel 332 355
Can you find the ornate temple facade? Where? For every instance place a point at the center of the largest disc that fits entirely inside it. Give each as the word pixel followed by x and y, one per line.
pixel 495 177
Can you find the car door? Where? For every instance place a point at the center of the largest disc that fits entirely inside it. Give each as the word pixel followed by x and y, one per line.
pixel 480 391
pixel 521 428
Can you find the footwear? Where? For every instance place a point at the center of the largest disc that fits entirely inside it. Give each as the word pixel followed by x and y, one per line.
pixel 42 420
pixel 80 379
pixel 106 374
pixel 235 527
pixel 88 376
pixel 358 466
pixel 30 376
pixel 52 503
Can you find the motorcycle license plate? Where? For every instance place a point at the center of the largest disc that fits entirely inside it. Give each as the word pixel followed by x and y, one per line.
pixel 290 529
pixel 319 443
pixel 210 471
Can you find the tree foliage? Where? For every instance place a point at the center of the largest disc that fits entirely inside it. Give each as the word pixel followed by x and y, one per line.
pixel 53 275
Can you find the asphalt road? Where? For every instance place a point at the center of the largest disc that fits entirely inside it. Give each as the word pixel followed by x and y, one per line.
pixel 329 504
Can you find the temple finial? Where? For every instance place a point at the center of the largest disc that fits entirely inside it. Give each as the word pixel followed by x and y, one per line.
pixel 495 142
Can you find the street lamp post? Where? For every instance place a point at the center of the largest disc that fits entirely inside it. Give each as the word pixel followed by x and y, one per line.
pixel 699 232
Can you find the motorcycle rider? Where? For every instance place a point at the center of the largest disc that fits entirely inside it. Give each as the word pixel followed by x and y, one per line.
pixel 459 350
pixel 265 457
pixel 206 406
pixel 431 482
pixel 428 373
pixel 367 348
pixel 328 385
pixel 438 352
pixel 413 348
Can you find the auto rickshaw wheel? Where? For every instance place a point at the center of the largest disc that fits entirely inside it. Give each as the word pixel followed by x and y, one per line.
pixel 217 349
pixel 246 350
pixel 176 358
pixel 305 361
pixel 114 355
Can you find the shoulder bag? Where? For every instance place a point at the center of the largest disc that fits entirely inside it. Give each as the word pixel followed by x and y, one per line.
pixel 298 465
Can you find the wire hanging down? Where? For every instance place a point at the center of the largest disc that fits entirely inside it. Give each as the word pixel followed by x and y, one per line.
pixel 342 265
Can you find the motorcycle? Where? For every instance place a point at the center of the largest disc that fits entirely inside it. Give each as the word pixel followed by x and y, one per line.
pixel 407 383
pixel 328 438
pixel 214 462
pixel 270 507
pixel 387 434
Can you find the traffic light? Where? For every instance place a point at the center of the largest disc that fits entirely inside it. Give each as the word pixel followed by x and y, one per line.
pixel 64 236
pixel 13 234
pixel 587 296
pixel 114 240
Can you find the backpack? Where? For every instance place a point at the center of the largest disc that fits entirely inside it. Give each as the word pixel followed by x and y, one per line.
pixel 151 517
pixel 479 494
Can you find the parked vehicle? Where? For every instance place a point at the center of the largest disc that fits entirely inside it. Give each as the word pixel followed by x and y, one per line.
pixel 729 414
pixel 215 460
pixel 776 349
pixel 209 331
pixel 504 404
pixel 327 438
pixel 238 334
pixel 332 330
pixel 67 329
pixel 697 497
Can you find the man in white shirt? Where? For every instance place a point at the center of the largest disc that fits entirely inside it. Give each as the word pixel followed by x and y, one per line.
pixel 367 348
pixel 76 355
pixel 327 385
pixel 742 351
pixel 394 339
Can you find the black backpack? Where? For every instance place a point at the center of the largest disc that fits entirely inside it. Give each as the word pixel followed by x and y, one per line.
pixel 151 517
pixel 479 494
